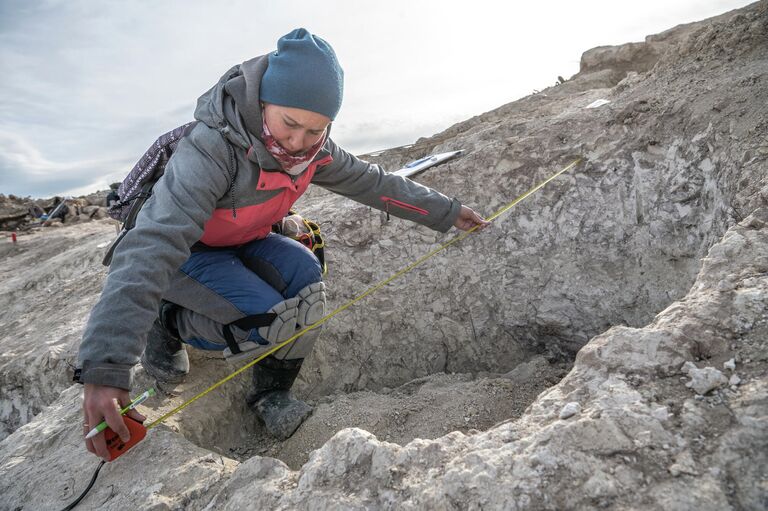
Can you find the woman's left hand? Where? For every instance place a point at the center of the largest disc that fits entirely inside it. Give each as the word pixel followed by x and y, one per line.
pixel 468 219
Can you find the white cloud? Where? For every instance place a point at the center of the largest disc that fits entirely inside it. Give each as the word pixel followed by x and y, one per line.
pixel 24 168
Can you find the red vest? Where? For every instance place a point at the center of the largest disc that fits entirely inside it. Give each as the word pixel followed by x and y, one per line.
pixel 255 222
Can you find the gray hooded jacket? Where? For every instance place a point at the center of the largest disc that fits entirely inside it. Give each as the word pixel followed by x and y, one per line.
pixel 198 180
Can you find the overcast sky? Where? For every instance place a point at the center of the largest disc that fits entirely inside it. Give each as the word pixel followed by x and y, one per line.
pixel 87 86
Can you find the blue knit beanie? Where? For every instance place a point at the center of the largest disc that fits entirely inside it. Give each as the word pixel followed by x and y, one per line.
pixel 304 73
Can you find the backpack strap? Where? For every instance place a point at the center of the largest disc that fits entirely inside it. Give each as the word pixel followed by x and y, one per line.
pixel 130 221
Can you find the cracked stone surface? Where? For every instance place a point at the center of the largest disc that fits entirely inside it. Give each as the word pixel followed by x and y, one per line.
pixel 601 294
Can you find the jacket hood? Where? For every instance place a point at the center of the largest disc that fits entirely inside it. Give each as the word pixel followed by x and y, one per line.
pixel 233 107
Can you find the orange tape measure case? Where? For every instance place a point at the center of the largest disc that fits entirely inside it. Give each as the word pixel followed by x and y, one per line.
pixel 116 446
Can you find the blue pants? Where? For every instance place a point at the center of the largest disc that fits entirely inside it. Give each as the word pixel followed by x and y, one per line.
pixel 240 281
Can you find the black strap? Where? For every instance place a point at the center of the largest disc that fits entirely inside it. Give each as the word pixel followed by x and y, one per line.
pixel 130 220
pixel 111 250
pixel 246 323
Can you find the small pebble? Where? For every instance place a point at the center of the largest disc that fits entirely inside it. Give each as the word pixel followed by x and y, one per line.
pixel 661 413
pixel 570 409
pixel 731 364
pixel 734 380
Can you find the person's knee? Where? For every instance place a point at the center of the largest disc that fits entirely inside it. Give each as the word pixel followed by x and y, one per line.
pixel 310 310
pixel 291 314
pixel 311 307
pixel 254 334
pixel 271 327
pixel 290 317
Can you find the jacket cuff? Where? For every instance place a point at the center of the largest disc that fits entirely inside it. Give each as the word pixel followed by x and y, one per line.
pixel 104 373
pixel 450 218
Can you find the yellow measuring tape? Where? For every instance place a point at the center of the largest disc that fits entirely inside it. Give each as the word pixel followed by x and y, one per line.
pixel 356 299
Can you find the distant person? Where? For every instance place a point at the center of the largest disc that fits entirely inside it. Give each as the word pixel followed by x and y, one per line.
pixel 60 209
pixel 202 265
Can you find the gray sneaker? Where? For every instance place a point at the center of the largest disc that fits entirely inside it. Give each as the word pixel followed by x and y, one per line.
pixel 165 356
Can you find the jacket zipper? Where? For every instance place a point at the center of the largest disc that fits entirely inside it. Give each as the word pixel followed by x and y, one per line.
pixel 403 205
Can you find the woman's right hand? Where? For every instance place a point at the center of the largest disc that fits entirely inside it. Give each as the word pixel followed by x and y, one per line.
pixel 469 219
pixel 101 402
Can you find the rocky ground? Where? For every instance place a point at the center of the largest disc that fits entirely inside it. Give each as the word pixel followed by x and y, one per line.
pixel 603 345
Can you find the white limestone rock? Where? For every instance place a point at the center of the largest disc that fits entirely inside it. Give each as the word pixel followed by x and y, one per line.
pixel 705 380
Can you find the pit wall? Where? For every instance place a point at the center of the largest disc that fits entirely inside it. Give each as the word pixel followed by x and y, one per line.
pixel 675 158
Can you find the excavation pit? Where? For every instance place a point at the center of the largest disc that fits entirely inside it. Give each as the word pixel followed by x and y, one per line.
pixel 427 408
